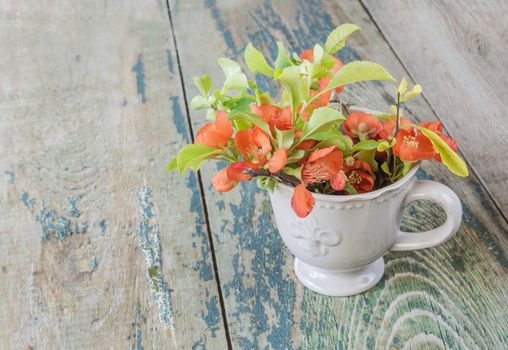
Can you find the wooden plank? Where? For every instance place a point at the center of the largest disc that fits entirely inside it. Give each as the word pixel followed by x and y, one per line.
pixel 452 296
pixel 91 107
pixel 458 51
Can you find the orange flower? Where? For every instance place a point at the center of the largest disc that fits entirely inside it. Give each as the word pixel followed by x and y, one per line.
pixel 322 165
pixel 255 147
pixel 302 201
pixel 362 126
pixel 221 181
pixel 412 145
pixel 215 134
pixel 437 127
pixel 253 144
pixel 359 175
pixel 388 127
pixel 274 116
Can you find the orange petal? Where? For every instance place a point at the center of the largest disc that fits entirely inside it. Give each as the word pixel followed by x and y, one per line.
pixel 307 55
pixel 223 125
pixel 339 181
pixel 210 138
pixel 243 140
pixel 278 160
pixel 321 153
pixel 302 201
pixel 266 112
pixel 261 139
pixel 221 182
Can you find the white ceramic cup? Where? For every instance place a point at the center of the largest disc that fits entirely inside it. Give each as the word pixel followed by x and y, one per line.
pixel 339 246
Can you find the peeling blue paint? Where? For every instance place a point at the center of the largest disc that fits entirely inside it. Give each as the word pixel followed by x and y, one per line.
pixel 179 119
pixel 138 334
pixel 140 78
pixel 93 263
pixel 27 201
pixel 149 241
pixel 9 175
pixel 199 345
pixel 72 209
pixel 170 61
pixel 212 318
pixel 222 26
pixel 203 266
pixel 52 223
pixel 103 225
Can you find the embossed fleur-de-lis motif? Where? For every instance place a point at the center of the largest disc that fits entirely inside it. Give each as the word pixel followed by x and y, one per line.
pixel 313 239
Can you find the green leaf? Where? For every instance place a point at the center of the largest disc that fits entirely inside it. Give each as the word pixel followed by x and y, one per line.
pixel 383 145
pixel 383 116
pixel 282 61
pixel 284 138
pixel 295 156
pixel 204 84
pixel 417 90
pixel 365 145
pixel 296 172
pixel 267 183
pixel 407 167
pixel 235 78
pixel 322 118
pixel 402 89
pixel 350 189
pixel 449 158
pixel 171 165
pixel 318 53
pixel 256 61
pixel 368 157
pixel 263 98
pixel 253 119
pixel 199 102
pixel 357 71
pixel 325 135
pixel 386 168
pixel 193 155
pixel 290 78
pixel 337 38
pixel 344 143
pixel 239 104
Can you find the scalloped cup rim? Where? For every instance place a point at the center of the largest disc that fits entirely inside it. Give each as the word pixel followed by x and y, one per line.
pixel 364 196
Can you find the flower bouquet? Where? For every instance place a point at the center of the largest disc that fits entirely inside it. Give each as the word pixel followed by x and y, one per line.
pixel 310 143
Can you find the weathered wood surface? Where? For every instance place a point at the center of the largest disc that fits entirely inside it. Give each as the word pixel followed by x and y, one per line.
pixel 458 51
pixel 453 296
pixel 91 107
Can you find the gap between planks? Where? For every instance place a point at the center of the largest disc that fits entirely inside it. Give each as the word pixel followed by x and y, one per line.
pixel 201 187
pixel 470 167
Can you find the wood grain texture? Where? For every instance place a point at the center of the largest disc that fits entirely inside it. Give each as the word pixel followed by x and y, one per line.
pixel 457 50
pixel 99 247
pixel 450 297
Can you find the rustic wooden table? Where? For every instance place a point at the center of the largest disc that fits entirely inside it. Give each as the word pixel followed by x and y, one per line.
pixel 101 248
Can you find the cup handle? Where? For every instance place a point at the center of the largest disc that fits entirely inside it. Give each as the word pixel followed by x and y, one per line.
pixel 441 195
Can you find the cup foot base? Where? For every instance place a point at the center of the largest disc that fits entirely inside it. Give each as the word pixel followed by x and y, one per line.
pixel 339 283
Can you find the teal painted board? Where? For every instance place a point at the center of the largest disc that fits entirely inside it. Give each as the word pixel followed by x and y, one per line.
pixel 453 296
pixel 99 246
